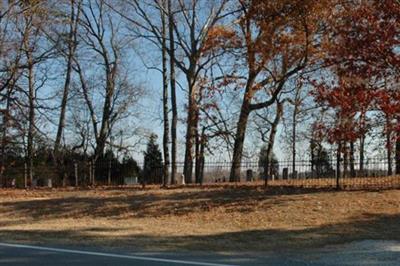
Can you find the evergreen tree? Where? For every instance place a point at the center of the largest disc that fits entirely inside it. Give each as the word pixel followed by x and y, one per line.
pixel 129 167
pixel 152 168
pixel 320 161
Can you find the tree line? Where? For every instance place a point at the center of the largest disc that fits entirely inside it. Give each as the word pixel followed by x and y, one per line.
pixel 231 72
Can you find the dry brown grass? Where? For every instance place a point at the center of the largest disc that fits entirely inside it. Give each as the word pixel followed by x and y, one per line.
pixel 217 217
pixel 348 183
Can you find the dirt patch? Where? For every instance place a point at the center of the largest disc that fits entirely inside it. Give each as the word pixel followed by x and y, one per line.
pixel 217 217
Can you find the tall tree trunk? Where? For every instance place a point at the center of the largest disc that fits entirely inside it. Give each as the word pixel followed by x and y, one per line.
pixel 199 154
pixel 352 166
pixel 107 47
pixel 345 159
pixel 239 141
pixel 312 153
pixel 61 124
pixel 338 162
pixel 294 138
pixel 241 133
pixel 389 145
pixel 197 158
pixel 7 115
pixel 173 91
pixel 202 157
pixel 31 119
pixel 397 153
pixel 389 156
pixel 362 144
pixel 105 124
pixel 190 132
pixel 318 160
pixel 165 98
pixel 271 141
pixel 100 144
pixel 362 152
pixel 4 140
pixel 71 50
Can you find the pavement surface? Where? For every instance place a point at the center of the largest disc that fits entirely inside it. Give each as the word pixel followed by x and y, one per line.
pixel 368 252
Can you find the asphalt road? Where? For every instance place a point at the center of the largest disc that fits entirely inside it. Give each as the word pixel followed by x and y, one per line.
pixel 15 254
pixel 366 252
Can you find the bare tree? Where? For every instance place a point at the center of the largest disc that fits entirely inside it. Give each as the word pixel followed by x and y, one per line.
pixel 71 41
pixel 190 23
pixel 99 34
pixel 298 112
pixel 164 52
pixel 268 58
pixel 268 130
pixel 31 27
pixel 10 54
pixel 174 122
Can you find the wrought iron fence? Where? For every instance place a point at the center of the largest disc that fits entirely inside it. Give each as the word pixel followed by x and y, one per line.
pixel 376 173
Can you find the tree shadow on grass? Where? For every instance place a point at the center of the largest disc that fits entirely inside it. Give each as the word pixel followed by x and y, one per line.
pixel 141 205
pixel 367 226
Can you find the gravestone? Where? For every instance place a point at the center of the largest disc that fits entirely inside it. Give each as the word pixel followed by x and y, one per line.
pixel 133 180
pixel 285 173
pixel 249 175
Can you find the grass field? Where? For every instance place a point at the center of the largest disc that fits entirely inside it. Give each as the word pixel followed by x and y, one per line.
pixel 348 183
pixel 220 218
